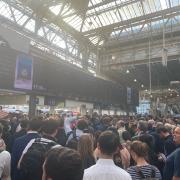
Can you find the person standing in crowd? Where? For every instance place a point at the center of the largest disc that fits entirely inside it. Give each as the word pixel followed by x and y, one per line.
pixel 169 145
pixel 19 145
pixel 62 163
pixel 86 150
pixel 105 169
pixel 5 161
pixel 121 128
pixel 32 157
pixel 5 158
pixel 24 127
pixel 142 170
pixel 172 166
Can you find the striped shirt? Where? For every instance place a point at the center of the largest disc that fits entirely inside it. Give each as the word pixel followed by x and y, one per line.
pixel 146 171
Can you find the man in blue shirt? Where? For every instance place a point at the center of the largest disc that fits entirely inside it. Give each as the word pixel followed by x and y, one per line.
pixel 172 166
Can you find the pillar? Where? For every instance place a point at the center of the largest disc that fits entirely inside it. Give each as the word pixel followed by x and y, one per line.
pixel 32 106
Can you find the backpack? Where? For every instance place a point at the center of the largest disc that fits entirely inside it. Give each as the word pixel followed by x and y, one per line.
pixel 32 161
pixel 73 142
pixel 143 177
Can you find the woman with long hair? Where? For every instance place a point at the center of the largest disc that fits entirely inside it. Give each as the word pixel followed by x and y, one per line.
pixel 86 150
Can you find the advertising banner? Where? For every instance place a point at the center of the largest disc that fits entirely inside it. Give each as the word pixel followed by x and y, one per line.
pixel 24 73
pixel 129 95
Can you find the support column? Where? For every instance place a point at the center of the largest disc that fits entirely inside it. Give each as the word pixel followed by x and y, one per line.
pixel 32 106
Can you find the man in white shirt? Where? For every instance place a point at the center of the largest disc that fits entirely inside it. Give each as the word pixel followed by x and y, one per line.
pixel 105 169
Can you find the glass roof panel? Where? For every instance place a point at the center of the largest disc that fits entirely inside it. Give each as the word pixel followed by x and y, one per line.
pixel 164 4
pixel 30 25
pixel 55 9
pixel 175 2
pixel 103 12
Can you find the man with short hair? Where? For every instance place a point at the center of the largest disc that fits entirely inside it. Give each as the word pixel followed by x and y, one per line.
pixel 169 145
pixel 172 166
pixel 62 163
pixel 33 155
pixel 105 169
pixel 19 145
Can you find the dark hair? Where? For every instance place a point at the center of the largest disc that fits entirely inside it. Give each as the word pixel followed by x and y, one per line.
pixel 61 122
pixel 63 163
pixel 35 124
pixel 162 129
pixel 139 148
pixel 49 126
pixel 148 139
pixel 24 124
pixel 82 124
pixel 126 135
pixel 108 142
pixel 0 107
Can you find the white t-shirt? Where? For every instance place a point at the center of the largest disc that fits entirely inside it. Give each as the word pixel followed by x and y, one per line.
pixel 105 169
pixel 5 164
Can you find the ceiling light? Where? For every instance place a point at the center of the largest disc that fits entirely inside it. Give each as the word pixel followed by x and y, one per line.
pixel 142 85
pixel 177 95
pixel 146 90
pixel 171 94
pixel 169 89
pixel 135 80
pixel 113 57
pixel 151 96
pixel 127 71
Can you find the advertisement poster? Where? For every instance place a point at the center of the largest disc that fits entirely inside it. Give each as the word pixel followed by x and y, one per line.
pixel 24 73
pixel 129 94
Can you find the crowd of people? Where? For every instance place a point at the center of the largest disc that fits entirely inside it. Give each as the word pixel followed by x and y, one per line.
pixel 55 147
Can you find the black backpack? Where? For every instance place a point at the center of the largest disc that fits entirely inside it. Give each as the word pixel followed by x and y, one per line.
pixel 32 161
pixel 73 142
pixel 143 177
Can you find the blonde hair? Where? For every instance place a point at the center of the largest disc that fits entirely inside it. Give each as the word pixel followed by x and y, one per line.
pixel 86 145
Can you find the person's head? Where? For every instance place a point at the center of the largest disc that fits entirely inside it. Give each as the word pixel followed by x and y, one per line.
pixel 24 124
pixel 107 121
pixel 126 136
pixel 0 108
pixel 148 139
pixel 169 126
pixel 159 124
pixel 50 127
pixel 35 124
pixel 163 132
pixel 108 142
pixel 86 145
pixel 151 124
pixel 176 135
pixel 138 150
pixel 82 124
pixel 62 163
pixel 120 124
pixel 142 126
